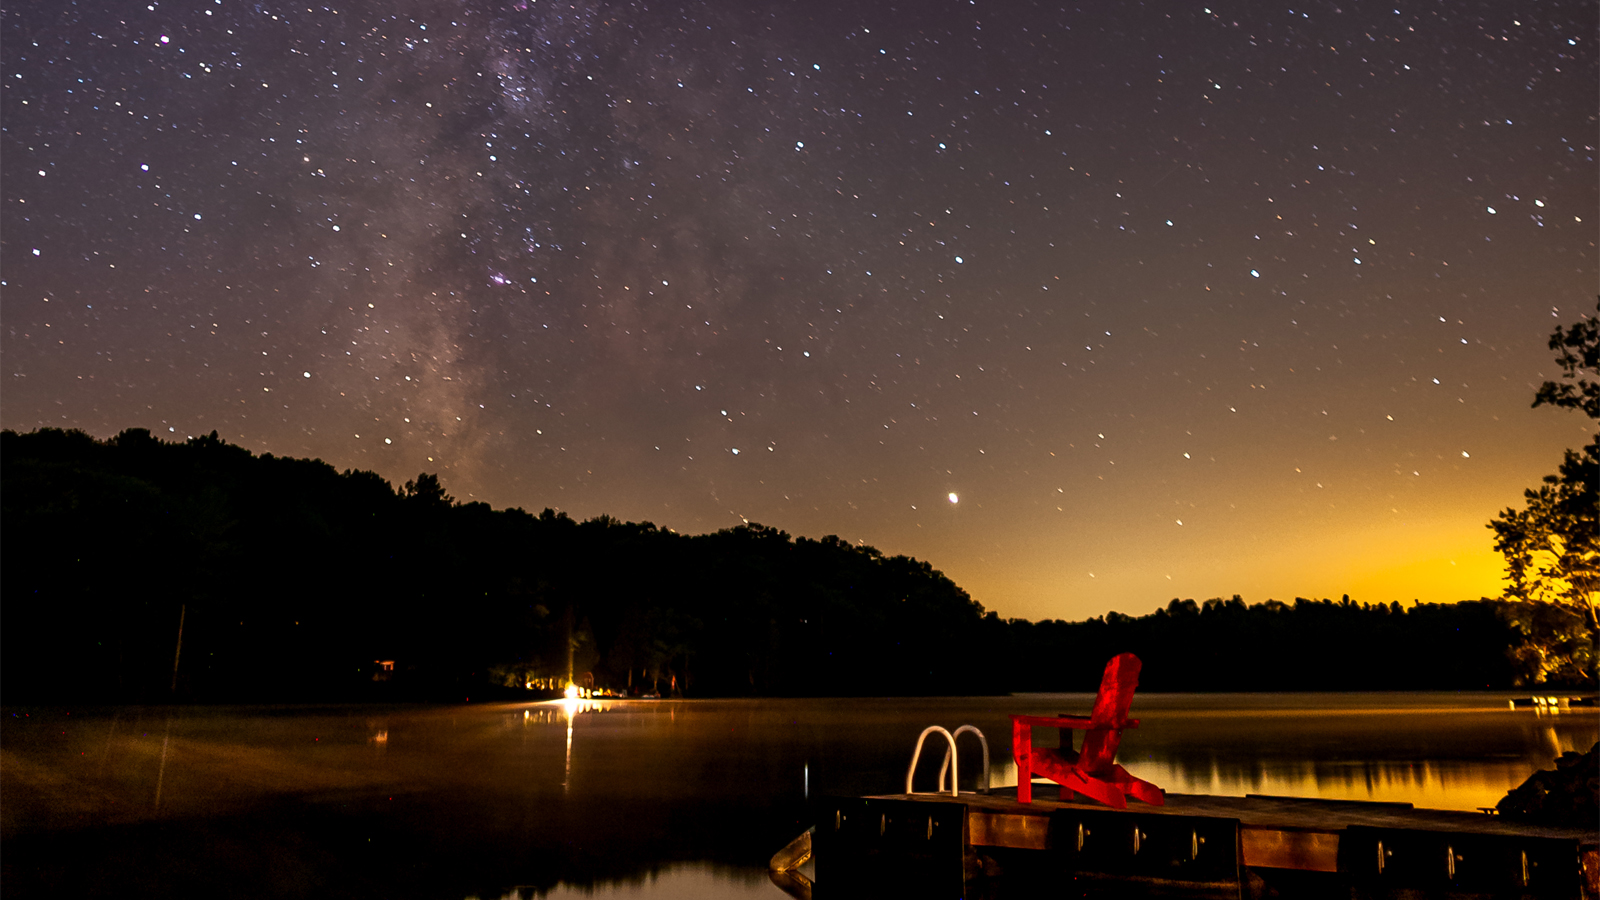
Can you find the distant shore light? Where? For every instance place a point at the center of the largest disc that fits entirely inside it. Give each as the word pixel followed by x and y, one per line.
pixel 954 498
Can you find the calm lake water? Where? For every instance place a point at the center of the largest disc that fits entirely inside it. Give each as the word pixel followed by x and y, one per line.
pixel 637 799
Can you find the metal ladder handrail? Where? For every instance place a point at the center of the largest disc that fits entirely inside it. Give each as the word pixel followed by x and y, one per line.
pixel 950 754
pixel 917 754
pixel 951 758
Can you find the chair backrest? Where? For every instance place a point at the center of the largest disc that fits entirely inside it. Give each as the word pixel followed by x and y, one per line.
pixel 1116 692
pixel 1110 714
pixel 1099 753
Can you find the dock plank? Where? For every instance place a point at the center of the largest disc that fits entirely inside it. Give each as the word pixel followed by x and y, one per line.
pixel 1374 849
pixel 1263 812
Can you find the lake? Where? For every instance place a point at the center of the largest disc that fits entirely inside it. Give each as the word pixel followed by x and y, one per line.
pixel 636 798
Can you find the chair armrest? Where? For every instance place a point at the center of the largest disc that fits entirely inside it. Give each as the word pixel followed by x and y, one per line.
pixel 1079 722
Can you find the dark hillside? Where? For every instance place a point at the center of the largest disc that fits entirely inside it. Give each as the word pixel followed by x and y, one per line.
pixel 295 581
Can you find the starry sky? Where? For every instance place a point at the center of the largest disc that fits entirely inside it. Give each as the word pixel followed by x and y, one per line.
pixel 1090 305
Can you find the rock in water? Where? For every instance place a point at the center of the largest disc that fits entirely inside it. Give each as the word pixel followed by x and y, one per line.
pixel 1569 794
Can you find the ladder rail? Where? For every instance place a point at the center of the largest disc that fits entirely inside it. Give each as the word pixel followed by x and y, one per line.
pixel 948 757
pixel 951 758
pixel 917 754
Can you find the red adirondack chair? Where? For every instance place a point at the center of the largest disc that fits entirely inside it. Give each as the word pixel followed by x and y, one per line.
pixel 1092 770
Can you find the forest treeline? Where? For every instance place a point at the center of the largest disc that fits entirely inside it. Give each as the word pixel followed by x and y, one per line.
pixel 290 580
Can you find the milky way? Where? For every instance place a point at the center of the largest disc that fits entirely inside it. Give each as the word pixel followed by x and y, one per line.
pixel 1091 306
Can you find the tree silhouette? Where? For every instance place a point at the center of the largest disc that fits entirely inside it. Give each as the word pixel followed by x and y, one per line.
pixel 427 491
pixel 1551 547
pixel 1578 351
pixel 295 581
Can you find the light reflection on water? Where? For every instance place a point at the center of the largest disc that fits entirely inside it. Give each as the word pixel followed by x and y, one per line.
pixel 686 881
pixel 1464 756
pixel 645 799
pixel 1422 783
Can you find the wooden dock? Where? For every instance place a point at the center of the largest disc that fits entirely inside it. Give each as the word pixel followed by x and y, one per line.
pixel 989 845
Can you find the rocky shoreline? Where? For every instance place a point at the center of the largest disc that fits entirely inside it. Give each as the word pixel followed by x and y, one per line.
pixel 1569 794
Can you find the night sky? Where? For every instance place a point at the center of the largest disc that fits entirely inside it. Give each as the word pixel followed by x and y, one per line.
pixel 1090 305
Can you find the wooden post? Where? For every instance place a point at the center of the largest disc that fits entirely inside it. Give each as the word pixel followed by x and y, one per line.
pixel 178 653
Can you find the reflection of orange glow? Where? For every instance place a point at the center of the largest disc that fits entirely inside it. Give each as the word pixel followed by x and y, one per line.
pixel 574 705
pixel 1462 784
pixel 1425 783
